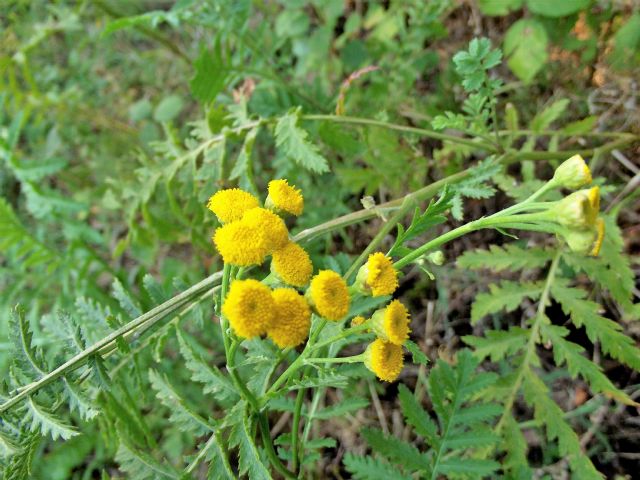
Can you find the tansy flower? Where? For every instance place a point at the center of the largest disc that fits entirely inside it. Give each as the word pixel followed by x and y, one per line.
pixel 292 318
pixel 229 205
pixel 249 307
pixel 292 264
pixel 239 244
pixel 385 359
pixel 328 295
pixel 377 276
pixel 391 324
pixel 285 198
pixel 572 173
pixel 269 226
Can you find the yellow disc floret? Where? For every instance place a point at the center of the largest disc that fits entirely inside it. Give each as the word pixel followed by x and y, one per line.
pixel 329 295
pixel 285 198
pixel 385 359
pixel 292 264
pixel 391 324
pixel 249 307
pixel 292 318
pixel 268 226
pixel 382 278
pixel 229 205
pixel 240 245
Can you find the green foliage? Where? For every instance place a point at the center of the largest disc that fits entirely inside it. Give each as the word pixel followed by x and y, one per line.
pixel 454 442
pixel 293 142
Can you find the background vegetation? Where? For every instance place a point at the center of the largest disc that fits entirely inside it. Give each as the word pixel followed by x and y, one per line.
pixel 119 119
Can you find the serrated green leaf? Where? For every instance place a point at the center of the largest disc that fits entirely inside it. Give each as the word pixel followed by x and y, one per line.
pixel 468 466
pixel 250 462
pixel 507 296
pixel 547 412
pixel 417 417
pixel 510 257
pixel 396 450
pixel 43 421
pixel 294 143
pixel 367 468
pixel 525 46
pixel 497 344
pixel 417 355
pixel 140 465
pixel 219 467
pixel 345 406
pixel 210 74
pixel 570 353
pixel 599 329
pixel 182 415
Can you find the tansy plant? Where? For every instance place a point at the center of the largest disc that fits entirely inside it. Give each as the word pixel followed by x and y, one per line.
pixel 293 309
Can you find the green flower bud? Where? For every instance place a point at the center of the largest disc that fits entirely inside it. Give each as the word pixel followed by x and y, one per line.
pixel 437 257
pixel 586 241
pixel 578 210
pixel 572 173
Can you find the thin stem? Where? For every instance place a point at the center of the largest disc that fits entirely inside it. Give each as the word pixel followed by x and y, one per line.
pixel 533 340
pixel 295 428
pixel 354 359
pixel 263 423
pixel 402 128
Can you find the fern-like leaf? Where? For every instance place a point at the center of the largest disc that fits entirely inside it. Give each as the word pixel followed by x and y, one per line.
pixel 367 468
pixel 511 257
pixel 294 143
pixel 44 421
pixel 507 296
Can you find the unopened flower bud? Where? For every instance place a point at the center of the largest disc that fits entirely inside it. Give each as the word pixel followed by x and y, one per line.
pixel 586 241
pixel 437 257
pixel 572 173
pixel 578 210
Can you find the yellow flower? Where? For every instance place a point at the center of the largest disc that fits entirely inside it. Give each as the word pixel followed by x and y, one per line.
pixel 268 226
pixel 594 204
pixel 249 307
pixel 292 318
pixel 292 264
pixel 328 295
pixel 595 251
pixel 385 359
pixel 572 173
pixel 240 245
pixel 391 324
pixel 285 198
pixel 357 321
pixel 229 205
pixel 377 276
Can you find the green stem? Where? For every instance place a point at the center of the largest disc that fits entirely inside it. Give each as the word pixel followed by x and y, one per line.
pixel 533 340
pixel 295 428
pixel 353 359
pixel 402 128
pixel 268 446
pixel 487 222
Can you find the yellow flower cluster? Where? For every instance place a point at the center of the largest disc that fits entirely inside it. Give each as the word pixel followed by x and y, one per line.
pixel 250 233
pixel 254 310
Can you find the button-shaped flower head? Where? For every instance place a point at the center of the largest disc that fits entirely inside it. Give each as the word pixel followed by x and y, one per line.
pixel 284 198
pixel 391 323
pixel 292 265
pixel 240 244
pixel 249 307
pixel 385 359
pixel 328 295
pixel 578 210
pixel 378 276
pixel 230 205
pixel 268 226
pixel 572 173
pixel 292 319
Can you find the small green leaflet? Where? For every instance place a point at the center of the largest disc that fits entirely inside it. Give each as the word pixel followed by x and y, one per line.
pixel 294 143
pixel 508 296
pixel 510 257
pixel 421 222
pixel 417 354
